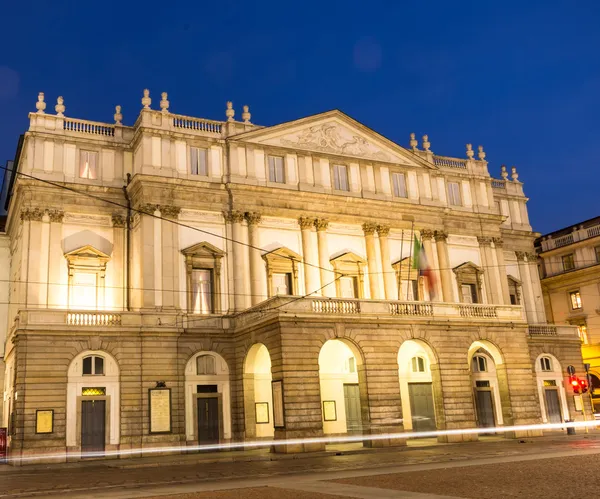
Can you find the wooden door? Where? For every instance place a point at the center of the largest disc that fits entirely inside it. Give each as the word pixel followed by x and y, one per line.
pixel 92 425
pixel 485 408
pixel 421 406
pixel 352 404
pixel 208 420
pixel 553 406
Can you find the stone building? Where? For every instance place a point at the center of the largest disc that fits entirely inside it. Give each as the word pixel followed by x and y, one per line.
pixel 185 281
pixel 570 271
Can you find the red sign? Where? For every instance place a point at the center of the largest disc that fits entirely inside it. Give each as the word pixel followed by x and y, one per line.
pixel 3 448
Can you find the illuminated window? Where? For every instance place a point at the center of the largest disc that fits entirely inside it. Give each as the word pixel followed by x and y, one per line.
pixel 93 391
pixel 205 364
pixel 198 160
pixel 349 281
pixel 93 366
pixel 348 287
pixel 88 165
pixel 202 301
pixel 575 300
pixel 546 364
pixel 276 169
pixel 454 194
pixel 340 178
pixel 549 382
pixel 418 364
pixel 87 270
pixel 399 185
pixel 479 364
pixel 568 262
pixel 282 271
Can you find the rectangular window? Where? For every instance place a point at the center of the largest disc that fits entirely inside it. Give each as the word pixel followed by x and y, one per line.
pixel 568 262
pixel 549 382
pixel 276 170
pixel 88 165
pixel 87 365
pixel 418 365
pixel 575 300
pixel 546 364
pixel 399 185
pixel 598 254
pixel 199 163
pixel 205 364
pixel 84 291
pixel 282 284
pixel 340 178
pixel 201 291
pixel 348 287
pixel 469 293
pixel 98 365
pixel 454 194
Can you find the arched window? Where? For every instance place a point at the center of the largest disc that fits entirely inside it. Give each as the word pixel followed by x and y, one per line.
pixel 479 364
pixel 93 365
pixel 418 364
pixel 205 364
pixel 546 364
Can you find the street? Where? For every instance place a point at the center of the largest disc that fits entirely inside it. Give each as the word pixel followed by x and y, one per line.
pixel 492 468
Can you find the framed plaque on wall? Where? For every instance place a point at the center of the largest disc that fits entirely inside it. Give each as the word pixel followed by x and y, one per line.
pixel 44 421
pixel 278 410
pixel 159 400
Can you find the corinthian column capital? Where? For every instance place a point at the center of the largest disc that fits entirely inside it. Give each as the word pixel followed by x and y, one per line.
pixel 321 224
pixel 369 228
pixel 253 217
pixel 306 223
pixel 383 230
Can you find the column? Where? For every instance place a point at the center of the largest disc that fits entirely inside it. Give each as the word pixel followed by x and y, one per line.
pixel 528 298
pixel 327 277
pixel 427 236
pixel 57 269
pixel 499 247
pixel 389 276
pixel 311 260
pixel 258 283
pixel 536 287
pixel 117 287
pixel 170 257
pixel 240 300
pixel 369 229
pixel 487 264
pixel 444 261
pixel 37 261
pixel 147 229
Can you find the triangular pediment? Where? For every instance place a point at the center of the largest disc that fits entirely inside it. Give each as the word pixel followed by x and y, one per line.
pixel 334 133
pixel 86 251
pixel 203 249
pixel 282 253
pixel 349 258
pixel 467 267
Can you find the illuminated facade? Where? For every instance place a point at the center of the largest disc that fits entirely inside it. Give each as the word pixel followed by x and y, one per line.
pixel 570 271
pixel 261 286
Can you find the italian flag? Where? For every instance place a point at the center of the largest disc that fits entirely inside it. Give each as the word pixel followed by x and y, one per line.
pixel 422 265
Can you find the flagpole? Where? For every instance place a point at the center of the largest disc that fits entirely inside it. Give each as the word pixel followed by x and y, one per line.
pixel 400 270
pixel 411 261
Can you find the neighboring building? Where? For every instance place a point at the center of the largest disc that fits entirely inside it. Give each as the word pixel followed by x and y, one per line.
pixel 261 286
pixel 570 271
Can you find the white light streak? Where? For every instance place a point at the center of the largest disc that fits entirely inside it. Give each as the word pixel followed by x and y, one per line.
pixel 147 451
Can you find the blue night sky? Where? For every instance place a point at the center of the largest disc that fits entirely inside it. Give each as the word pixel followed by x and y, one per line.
pixel 521 78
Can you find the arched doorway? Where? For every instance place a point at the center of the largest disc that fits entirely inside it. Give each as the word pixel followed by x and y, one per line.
pixel 93 404
pixel 258 393
pixel 207 399
pixel 484 362
pixel 551 389
pixel 417 392
pixel 343 403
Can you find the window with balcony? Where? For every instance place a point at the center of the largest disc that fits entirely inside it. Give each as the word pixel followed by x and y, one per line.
pixel 399 185
pixel 349 272
pixel 340 178
pixel 203 269
pixel 87 271
pixel 454 197
pixel 568 262
pixel 199 161
pixel 93 366
pixel 575 297
pixel 88 165
pixel 282 271
pixel 468 278
pixel 276 169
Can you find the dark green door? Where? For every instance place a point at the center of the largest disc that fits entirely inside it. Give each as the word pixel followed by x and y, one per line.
pixel 92 425
pixel 485 408
pixel 352 404
pixel 421 406
pixel 208 420
pixel 553 406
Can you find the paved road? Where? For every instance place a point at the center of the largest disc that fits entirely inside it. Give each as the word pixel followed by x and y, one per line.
pixel 369 474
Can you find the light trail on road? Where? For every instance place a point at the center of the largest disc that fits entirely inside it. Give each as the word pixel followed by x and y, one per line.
pixel 184 449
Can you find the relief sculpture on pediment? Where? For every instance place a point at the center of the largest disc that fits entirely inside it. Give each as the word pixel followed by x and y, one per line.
pixel 329 137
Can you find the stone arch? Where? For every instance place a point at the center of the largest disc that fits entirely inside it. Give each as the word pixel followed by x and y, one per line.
pixel 109 382
pixel 550 380
pixel 343 387
pixel 207 380
pixel 257 379
pixel 493 380
pixel 420 383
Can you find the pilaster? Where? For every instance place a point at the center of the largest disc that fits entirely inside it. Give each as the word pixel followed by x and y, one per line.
pixel 310 257
pixel 499 247
pixel 389 276
pixel 57 269
pixel 528 297
pixel 327 277
pixel 170 257
pixel 444 260
pixel 369 229
pixel 258 284
pixel 239 232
